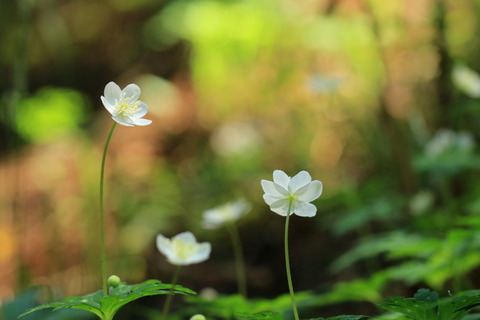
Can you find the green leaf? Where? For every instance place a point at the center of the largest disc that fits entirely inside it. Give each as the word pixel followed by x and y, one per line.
pixel 259 316
pixel 343 317
pixel 418 310
pixel 105 307
pixel 450 308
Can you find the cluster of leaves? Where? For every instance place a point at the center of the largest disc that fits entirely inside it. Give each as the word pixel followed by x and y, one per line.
pixel 425 305
pixel 105 307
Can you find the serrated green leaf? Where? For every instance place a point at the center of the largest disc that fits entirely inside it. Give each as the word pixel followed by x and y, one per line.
pixel 105 307
pixel 259 316
pixel 451 308
pixel 343 317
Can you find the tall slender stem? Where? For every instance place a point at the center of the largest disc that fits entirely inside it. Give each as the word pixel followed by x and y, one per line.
pixel 239 261
pixel 166 307
pixel 103 251
pixel 287 264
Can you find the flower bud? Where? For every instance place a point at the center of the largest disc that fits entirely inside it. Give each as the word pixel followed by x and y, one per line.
pixel 113 281
pixel 198 317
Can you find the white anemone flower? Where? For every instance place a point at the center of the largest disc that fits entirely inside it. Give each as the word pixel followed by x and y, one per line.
pixel 183 249
pixel 225 213
pixel 124 105
pixel 296 192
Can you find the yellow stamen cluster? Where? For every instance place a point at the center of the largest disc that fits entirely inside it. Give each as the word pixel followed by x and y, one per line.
pixel 182 248
pixel 125 106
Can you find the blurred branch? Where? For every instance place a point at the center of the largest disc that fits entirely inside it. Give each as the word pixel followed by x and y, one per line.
pixel 394 128
pixel 330 6
pixel 18 91
pixel 442 82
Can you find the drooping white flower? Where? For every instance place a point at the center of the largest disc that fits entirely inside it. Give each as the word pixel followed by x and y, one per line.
pixel 296 192
pixel 124 105
pixel 183 249
pixel 230 211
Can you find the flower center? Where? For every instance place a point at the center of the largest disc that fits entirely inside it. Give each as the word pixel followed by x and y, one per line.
pixel 126 106
pixel 183 249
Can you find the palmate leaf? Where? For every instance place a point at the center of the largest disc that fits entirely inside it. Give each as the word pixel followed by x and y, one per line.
pixel 451 308
pixel 343 317
pixel 277 316
pixel 259 316
pixel 105 307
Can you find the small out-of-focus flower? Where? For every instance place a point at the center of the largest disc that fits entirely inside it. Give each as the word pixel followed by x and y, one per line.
pixel 124 105
pixel 183 249
pixel 421 202
pixel 208 294
pixel 295 193
pixel 466 80
pixel 225 213
pixel 324 84
pixel 448 141
pixel 236 138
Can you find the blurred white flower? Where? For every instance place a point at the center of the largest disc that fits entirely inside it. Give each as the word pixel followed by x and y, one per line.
pixel 183 249
pixel 124 105
pixel 230 211
pixel 236 138
pixel 448 141
pixel 324 84
pixel 466 80
pixel 296 192
pixel 421 202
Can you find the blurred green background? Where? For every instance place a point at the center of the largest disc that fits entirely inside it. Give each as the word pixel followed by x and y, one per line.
pixel 378 99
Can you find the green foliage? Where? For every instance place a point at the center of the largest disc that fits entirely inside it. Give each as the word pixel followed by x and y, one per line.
pixel 343 317
pixel 50 113
pixel 277 316
pixel 426 295
pixel 28 299
pixel 229 306
pixel 105 307
pixel 259 316
pixel 422 306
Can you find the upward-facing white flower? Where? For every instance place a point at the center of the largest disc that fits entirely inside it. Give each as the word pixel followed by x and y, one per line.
pixel 230 211
pixel 124 105
pixel 296 192
pixel 183 249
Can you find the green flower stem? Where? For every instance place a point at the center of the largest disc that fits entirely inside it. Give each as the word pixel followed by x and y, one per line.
pixel 166 307
pixel 103 253
pixel 287 263
pixel 239 261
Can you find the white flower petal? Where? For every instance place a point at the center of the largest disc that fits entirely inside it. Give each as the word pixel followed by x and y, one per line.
pixel 143 109
pixel 270 199
pixel 202 253
pixel 299 180
pixel 271 189
pixel 186 236
pixel 123 120
pixel 164 245
pixel 282 190
pixel 132 91
pixel 110 108
pixel 280 207
pixel 112 92
pixel 281 178
pixel 140 122
pixel 310 192
pixel 304 209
